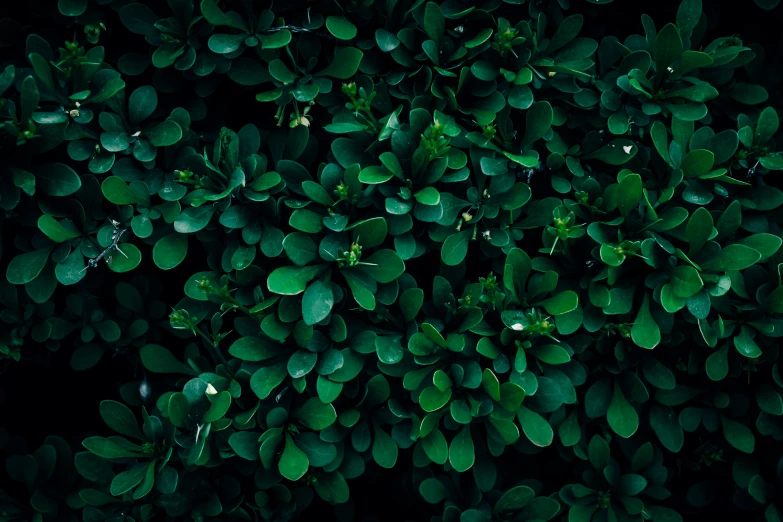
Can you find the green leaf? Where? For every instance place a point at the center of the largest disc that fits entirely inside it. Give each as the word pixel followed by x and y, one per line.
pixel 697 163
pixel 127 480
pixel 428 196
pixel 384 449
pixel 164 134
pixel 550 353
pixel 766 244
pixel 745 344
pixel 266 379
pixel 433 399
pixel 292 280
pixel 685 282
pixel 386 40
pixel 617 152
pixel 699 229
pixel 511 396
pixel 455 248
pixel 434 22
pixel 170 251
pixel 629 193
pixel 482 36
pixel 120 418
pixel 142 103
pixel 538 120
pixel 566 31
pixel 436 447
pixel 384 266
pixel 72 7
pixel 300 248
pixel 738 435
pixel 341 28
pixel 645 332
pixel 688 15
pixel 514 499
pixel 732 257
pixel 316 415
pixel 54 230
pixel 293 462
pixel 561 303
pixel 461 452
pixel 433 490
pixel 118 192
pixel 126 260
pixel 179 409
pixel 375 175
pixel 26 267
pixel 56 179
pixel 193 219
pixel 158 359
pixel 317 302
pixel 138 18
pixel 621 416
pixel 774 301
pixel 667 48
pixel 535 427
pixel 344 65
pixel 664 423
pixel 767 125
pixel 245 444
pixel 281 72
pixel 112 448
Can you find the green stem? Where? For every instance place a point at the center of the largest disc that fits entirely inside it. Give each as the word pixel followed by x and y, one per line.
pixel 216 349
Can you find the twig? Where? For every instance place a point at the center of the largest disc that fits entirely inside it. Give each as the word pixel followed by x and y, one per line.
pixel 115 240
pixel 295 29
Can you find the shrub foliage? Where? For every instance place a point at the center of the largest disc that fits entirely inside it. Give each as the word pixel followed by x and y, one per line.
pixel 413 240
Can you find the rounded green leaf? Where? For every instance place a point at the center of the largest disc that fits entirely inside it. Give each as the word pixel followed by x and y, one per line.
pixel 461 451
pixel 25 267
pixel 170 251
pixel 341 28
pixel 455 248
pixel 126 259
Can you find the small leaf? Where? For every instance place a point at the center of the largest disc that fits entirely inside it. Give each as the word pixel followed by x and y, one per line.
pixel 645 331
pixel 621 416
pixel 461 452
pixel 344 65
pixel 341 28
pixel 120 418
pixel 170 251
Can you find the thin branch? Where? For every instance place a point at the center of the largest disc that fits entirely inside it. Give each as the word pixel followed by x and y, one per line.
pixel 295 29
pixel 115 241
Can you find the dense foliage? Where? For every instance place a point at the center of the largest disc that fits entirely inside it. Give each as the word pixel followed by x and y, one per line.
pixel 302 248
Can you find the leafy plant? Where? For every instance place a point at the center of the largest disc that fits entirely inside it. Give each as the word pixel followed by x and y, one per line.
pixel 492 255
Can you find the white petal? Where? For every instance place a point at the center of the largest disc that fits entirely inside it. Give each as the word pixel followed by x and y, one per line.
pixel 518 327
pixel 628 148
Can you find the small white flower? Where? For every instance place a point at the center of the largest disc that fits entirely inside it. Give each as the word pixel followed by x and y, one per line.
pixel 670 69
pixel 628 148
pixel 518 327
pixel 136 134
pixel 211 389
